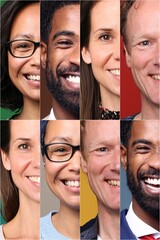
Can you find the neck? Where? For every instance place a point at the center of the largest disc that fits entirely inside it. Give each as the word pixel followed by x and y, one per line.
pixel 31 110
pixel 26 224
pixel 60 112
pixel 109 223
pixel 69 226
pixel 144 216
pixel 109 100
pixel 149 110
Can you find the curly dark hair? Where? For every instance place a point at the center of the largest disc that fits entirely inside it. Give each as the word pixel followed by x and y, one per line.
pixel 48 9
pixel 11 97
pixel 126 126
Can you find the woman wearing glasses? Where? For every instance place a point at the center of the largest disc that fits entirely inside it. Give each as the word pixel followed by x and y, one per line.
pixel 20 179
pixel 60 150
pixel 20 83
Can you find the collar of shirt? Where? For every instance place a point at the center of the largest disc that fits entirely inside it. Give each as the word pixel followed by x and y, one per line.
pixel 98 237
pixel 51 116
pixel 138 227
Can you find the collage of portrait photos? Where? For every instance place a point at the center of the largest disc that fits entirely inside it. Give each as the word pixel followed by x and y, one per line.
pixel 80 120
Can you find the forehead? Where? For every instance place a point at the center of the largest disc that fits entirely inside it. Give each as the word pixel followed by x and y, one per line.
pixel 149 130
pixel 141 14
pixel 66 17
pixel 106 10
pixel 62 128
pixel 100 130
pixel 25 129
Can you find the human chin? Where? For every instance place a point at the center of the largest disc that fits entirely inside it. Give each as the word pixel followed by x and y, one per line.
pixel 147 201
pixel 67 98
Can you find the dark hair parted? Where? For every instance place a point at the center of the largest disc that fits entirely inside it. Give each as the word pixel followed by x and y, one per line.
pixel 125 7
pixel 9 191
pixel 48 9
pixel 126 126
pixel 11 97
pixel 90 92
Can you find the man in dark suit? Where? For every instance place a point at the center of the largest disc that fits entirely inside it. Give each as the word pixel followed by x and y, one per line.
pixel 140 156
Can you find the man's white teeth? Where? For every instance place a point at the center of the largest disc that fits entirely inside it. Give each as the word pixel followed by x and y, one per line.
pixel 72 183
pixel 35 179
pixel 153 181
pixel 115 72
pixel 156 76
pixel 73 79
pixel 33 77
pixel 114 182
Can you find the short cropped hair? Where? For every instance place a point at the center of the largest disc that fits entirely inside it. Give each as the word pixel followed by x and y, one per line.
pixel 125 7
pixel 48 9
pixel 126 126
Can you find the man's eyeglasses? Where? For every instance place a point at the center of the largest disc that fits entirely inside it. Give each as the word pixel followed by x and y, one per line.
pixel 22 48
pixel 60 152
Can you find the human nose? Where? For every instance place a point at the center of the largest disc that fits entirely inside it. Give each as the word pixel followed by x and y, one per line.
pixel 35 58
pixel 116 53
pixel 157 55
pixel 36 157
pixel 154 160
pixel 75 55
pixel 74 162
pixel 115 161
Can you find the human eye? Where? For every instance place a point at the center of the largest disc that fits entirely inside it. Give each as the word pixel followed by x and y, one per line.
pixel 142 149
pixel 64 43
pixel 59 149
pixel 24 146
pixel 105 37
pixel 144 43
pixel 22 45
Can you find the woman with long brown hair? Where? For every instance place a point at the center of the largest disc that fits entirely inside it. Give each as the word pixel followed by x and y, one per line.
pixel 20 179
pixel 100 63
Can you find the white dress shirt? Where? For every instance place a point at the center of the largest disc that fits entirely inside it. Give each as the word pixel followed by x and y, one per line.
pixel 138 227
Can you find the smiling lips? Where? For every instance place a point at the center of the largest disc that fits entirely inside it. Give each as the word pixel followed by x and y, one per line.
pixel 33 77
pixel 115 72
pixel 113 182
pixel 34 179
pixel 155 76
pixel 72 183
pixel 153 183
pixel 73 79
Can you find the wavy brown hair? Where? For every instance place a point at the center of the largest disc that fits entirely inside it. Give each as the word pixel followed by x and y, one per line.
pixel 9 191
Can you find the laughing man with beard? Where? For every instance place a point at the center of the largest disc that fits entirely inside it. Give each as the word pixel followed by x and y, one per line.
pixel 140 156
pixel 60 56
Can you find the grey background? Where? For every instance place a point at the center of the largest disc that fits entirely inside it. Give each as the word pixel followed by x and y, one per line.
pixel 125 192
pixel 49 201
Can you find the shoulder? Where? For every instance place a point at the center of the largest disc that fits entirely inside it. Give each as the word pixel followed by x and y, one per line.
pixel 1 233
pixel 47 229
pixel 90 229
pixel 130 117
pixel 126 232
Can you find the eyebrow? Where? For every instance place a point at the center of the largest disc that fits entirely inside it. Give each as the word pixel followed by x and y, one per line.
pixel 144 141
pixel 22 139
pixel 104 30
pixel 59 138
pixel 63 33
pixel 22 36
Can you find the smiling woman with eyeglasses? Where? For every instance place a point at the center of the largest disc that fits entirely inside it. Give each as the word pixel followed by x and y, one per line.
pixel 20 48
pixel 60 145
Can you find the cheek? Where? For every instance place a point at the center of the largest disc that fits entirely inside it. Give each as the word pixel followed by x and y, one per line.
pixel 139 60
pixel 14 67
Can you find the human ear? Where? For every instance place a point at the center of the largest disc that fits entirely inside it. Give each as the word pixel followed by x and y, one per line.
pixel 124 157
pixel 43 54
pixel 83 164
pixel 128 57
pixel 86 55
pixel 5 160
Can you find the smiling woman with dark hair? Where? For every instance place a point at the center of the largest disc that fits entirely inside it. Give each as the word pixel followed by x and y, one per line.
pixel 100 62
pixel 20 60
